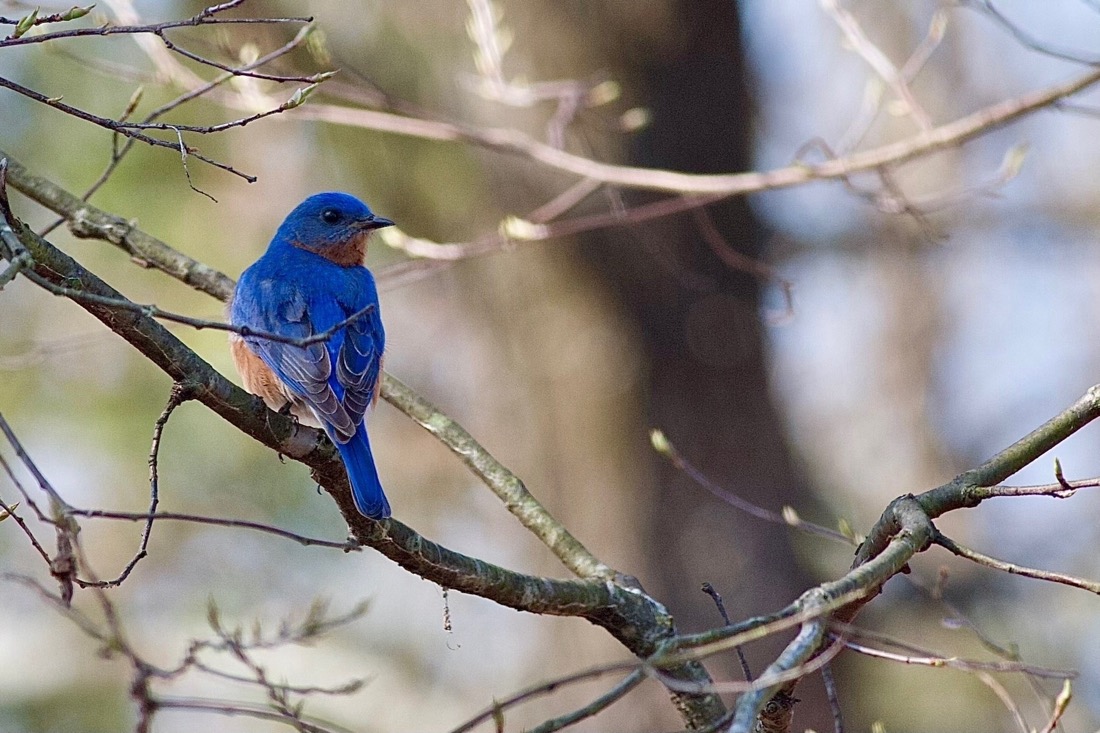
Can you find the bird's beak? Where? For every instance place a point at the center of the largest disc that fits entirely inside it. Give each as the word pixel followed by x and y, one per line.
pixel 376 222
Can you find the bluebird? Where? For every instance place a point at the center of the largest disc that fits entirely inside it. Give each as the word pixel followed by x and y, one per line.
pixel 310 280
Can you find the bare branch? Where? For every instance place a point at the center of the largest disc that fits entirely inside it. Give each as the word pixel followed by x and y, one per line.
pixel 667 450
pixel 971 488
pixel 924 657
pixel 346 546
pixel 505 484
pixel 598 705
pixel 878 62
pixel 546 688
pixel 180 394
pixel 1003 695
pixel 513 142
pixel 345 689
pixel 1026 39
pixel 47 488
pixel 8 512
pixel 87 221
pixel 834 698
pixel 991 562
pixel 156 29
pixel 115 126
pixel 720 604
pixel 198 324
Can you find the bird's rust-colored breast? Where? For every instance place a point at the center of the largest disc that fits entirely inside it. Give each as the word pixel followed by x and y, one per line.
pixel 258 379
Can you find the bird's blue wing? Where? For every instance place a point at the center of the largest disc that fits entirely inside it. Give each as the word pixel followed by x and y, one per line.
pixel 337 377
pixel 358 357
pixel 306 370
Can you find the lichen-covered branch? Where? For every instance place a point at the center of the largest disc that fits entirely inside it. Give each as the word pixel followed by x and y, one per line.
pixel 497 477
pixel 90 222
pixel 973 487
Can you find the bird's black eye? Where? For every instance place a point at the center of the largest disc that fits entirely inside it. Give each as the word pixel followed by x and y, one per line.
pixel 331 216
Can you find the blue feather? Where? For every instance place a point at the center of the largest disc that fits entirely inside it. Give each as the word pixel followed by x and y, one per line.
pixel 366 488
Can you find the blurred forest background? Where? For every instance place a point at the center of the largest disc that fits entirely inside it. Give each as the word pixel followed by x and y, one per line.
pixel 914 347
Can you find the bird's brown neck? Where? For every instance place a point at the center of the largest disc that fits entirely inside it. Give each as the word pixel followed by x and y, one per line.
pixel 349 253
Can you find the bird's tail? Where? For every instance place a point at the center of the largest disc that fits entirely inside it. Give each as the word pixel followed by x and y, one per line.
pixel 366 489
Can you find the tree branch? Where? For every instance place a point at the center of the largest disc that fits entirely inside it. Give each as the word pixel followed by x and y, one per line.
pixel 514 142
pixel 991 562
pixel 89 222
pixel 505 484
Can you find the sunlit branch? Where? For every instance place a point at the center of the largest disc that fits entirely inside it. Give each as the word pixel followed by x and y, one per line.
pixel 514 142
pixel 927 658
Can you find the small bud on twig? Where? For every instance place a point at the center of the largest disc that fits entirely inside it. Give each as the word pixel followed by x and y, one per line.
pixel 76 12
pixel 25 24
pixel 299 97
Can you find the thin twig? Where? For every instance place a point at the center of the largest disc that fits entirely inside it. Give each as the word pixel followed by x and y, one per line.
pixel 564 201
pixel 737 261
pixel 925 658
pixel 198 324
pixel 180 394
pixel 598 705
pixel 834 698
pixel 544 688
pixel 992 562
pixel 47 488
pixel 717 598
pixel 878 62
pixel 216 521
pixel 235 708
pixel 23 491
pixel 1061 702
pixel 1064 489
pixel 667 450
pixel 118 153
pixel 9 513
pixel 1003 695
pixel 154 29
pixel 348 688
pixel 1026 39
pixel 115 126
pixel 72 14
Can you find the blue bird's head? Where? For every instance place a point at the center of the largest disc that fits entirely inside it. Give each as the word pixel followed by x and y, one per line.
pixel 333 225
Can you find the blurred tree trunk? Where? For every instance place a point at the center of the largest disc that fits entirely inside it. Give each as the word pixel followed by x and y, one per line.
pixel 700 326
